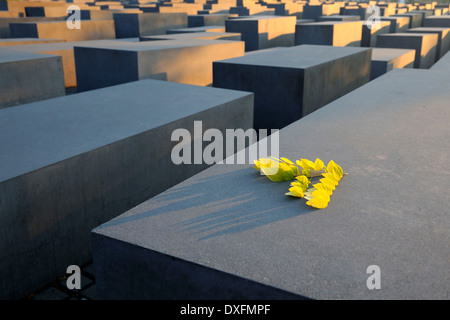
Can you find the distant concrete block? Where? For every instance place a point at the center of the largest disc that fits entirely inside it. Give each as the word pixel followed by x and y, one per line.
pixel 129 25
pixel 338 18
pixel 330 33
pixel 425 45
pixel 443 45
pixel 415 19
pixel 228 233
pixel 286 81
pixel 261 32
pixel 28 77
pixel 370 32
pixel 385 60
pixel 314 11
pixel 72 163
pixel 201 20
pixel 437 21
pixel 5 21
pixel 185 61
pixel 90 30
pixel 398 24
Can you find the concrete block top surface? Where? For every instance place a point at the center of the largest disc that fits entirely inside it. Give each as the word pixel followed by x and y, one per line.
pixel 53 130
pixel 298 57
pixel 231 219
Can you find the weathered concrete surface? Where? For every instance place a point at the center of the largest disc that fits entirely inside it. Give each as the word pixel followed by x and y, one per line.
pixel 185 61
pixel 28 77
pixel 286 81
pixel 262 32
pixel 330 33
pixel 229 233
pixel 425 45
pixel 385 60
pixel 72 163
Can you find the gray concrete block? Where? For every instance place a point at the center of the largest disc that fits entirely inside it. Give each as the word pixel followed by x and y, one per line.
pixel 338 18
pixel 90 30
pixel 262 32
pixel 369 35
pixel 286 81
pixel 437 21
pixel 128 25
pixel 5 21
pixel 314 11
pixel 27 77
pixel 443 45
pixel 195 35
pixel 385 60
pixel 415 19
pixel 219 29
pixel 235 235
pixel 185 61
pixel 66 52
pixel 201 20
pixel 398 24
pixel 72 163
pixel 330 33
pixel 425 45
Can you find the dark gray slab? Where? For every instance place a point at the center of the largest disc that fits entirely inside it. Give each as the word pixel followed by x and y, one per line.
pixel 69 164
pixel 287 81
pixel 228 233
pixel 425 45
